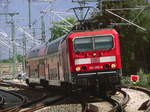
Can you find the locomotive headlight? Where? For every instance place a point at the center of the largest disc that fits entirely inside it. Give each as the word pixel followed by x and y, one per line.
pixel 113 66
pixel 78 68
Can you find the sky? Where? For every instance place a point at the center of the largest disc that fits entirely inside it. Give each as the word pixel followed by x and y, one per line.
pixel 21 20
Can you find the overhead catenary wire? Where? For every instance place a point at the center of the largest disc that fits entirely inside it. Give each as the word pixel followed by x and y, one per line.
pixel 8 40
pixel 125 20
pixel 29 35
pixel 62 18
pixel 5 44
pixel 132 9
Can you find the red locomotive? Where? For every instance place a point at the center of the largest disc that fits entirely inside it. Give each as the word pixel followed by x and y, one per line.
pixel 89 59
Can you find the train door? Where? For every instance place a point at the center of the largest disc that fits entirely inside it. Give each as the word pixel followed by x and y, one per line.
pixel 46 70
pixel 61 77
pixel 28 69
pixel 65 58
pixel 42 69
pixel 58 71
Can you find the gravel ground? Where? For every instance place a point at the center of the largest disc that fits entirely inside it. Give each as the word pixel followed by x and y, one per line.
pixel 103 106
pixel 63 108
pixel 106 106
pixel 136 99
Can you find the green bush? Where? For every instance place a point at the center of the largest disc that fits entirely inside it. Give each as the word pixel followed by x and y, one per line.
pixel 144 81
pixel 148 80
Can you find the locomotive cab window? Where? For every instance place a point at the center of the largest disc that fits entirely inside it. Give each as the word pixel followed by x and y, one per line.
pixel 103 42
pixel 83 44
pixel 95 43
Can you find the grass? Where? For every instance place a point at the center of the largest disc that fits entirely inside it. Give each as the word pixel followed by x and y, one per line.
pixel 7 67
pixel 144 81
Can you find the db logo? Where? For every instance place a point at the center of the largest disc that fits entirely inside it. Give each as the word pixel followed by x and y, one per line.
pixel 134 78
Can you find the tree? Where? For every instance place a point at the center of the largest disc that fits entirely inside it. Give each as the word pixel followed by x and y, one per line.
pixel 135 43
pixel 60 28
pixel 19 58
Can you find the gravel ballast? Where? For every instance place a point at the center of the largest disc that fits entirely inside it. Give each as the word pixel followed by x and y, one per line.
pixel 62 108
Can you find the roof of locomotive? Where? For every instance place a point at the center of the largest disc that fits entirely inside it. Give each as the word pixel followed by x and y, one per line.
pixel 108 31
pixel 95 30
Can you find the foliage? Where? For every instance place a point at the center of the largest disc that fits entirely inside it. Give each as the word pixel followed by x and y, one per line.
pixel 144 81
pixel 60 28
pixel 5 61
pixel 18 57
pixel 135 43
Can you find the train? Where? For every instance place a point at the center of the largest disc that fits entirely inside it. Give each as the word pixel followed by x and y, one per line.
pixel 83 59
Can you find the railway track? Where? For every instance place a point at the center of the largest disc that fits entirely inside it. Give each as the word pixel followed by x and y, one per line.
pixel 121 106
pixel 8 96
pixel 118 106
pixel 53 101
pixel 86 107
pixel 25 102
pixel 21 92
pixel 24 105
pixel 146 106
pixel 2 101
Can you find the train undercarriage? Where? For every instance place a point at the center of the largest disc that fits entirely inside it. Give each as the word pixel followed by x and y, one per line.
pixel 103 85
pixel 96 85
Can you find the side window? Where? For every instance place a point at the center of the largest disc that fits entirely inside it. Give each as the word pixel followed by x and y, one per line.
pixel 42 67
pixel 53 48
pixel 28 69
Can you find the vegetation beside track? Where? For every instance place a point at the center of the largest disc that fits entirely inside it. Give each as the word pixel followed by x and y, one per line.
pixel 6 68
pixel 144 81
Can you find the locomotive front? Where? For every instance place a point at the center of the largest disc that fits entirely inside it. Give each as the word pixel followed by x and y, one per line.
pixel 95 59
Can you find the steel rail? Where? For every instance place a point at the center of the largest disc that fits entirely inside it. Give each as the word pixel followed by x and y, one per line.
pixel 147 91
pixel 45 104
pixel 116 105
pixel 126 98
pixel 2 101
pixel 23 98
pixel 119 106
pixel 24 105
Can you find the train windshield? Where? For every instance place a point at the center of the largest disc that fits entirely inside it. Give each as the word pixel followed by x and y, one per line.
pixel 103 42
pixel 83 44
pixel 93 43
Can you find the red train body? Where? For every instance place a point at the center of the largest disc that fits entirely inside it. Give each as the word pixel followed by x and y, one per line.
pixel 88 59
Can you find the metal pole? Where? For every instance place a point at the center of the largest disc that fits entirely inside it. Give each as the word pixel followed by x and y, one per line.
pixel 24 51
pixel 14 46
pixel 13 39
pixel 10 56
pixel 43 29
pixel 29 7
pixel 100 5
pixel 33 33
